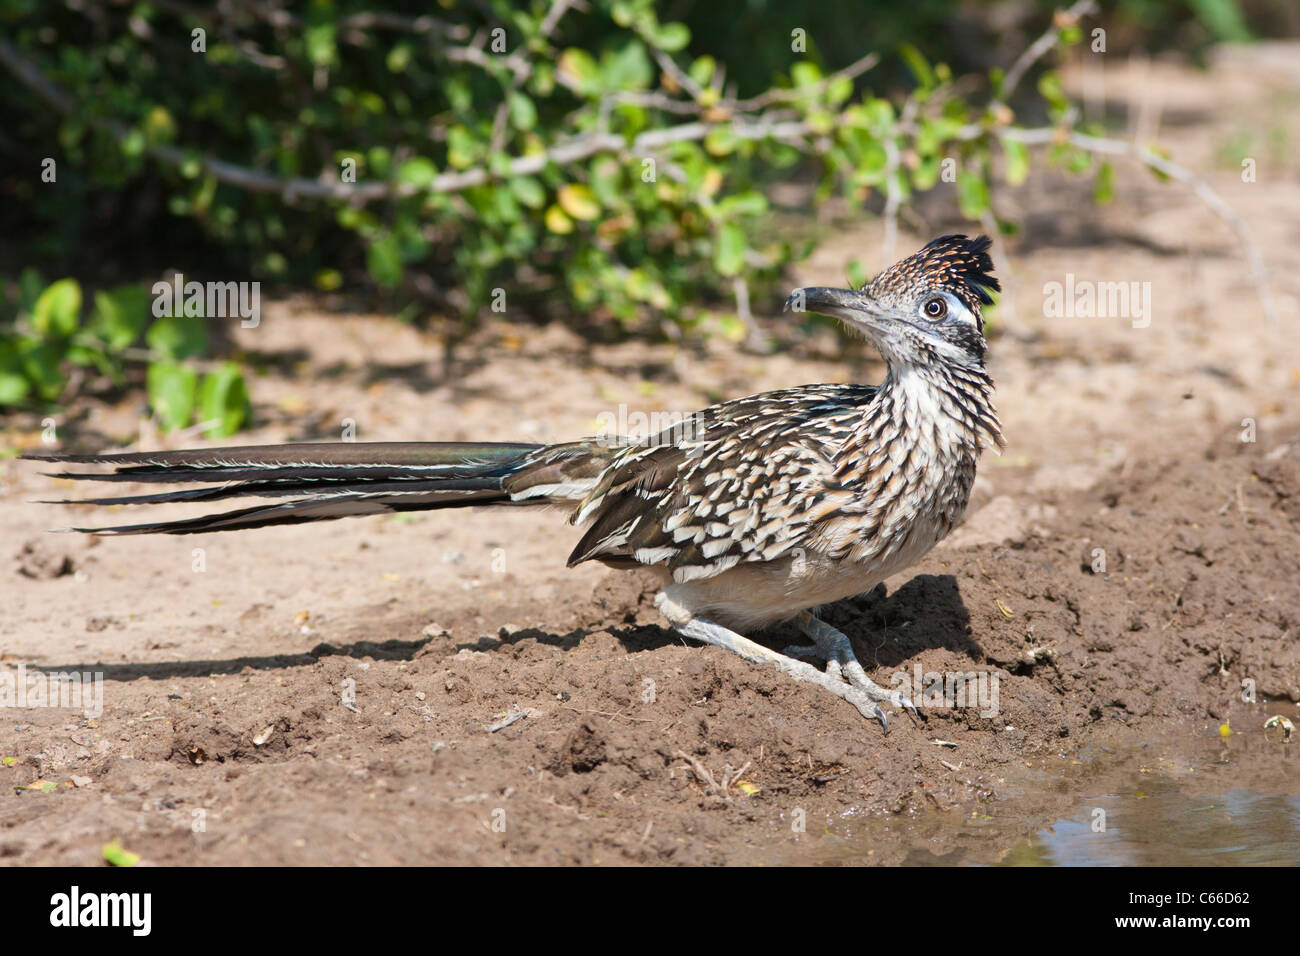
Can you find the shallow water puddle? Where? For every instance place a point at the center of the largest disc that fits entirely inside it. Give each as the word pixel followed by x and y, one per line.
pixel 1211 800
pixel 1162 826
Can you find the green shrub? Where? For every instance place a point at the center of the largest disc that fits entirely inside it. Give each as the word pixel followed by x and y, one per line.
pixel 537 158
pixel 49 340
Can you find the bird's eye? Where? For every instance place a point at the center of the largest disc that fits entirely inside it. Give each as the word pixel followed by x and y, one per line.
pixel 935 308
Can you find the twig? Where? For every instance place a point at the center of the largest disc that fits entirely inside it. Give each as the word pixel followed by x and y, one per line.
pixel 894 195
pixel 1007 301
pixel 1036 50
pixel 680 76
pixel 753 336
pixel 1206 193
pixel 513 717
pixel 852 71
pixel 254 180
pixel 704 776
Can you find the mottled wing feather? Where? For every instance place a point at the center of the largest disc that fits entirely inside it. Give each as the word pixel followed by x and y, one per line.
pixel 739 481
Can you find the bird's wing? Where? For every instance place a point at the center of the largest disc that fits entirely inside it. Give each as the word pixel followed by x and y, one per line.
pixel 741 481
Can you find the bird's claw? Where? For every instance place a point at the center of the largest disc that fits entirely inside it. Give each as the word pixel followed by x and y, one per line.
pixel 883 718
pixel 840 666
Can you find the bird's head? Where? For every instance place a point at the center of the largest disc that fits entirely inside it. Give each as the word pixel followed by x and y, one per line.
pixel 923 309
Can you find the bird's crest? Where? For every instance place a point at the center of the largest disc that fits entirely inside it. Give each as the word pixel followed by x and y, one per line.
pixel 955 263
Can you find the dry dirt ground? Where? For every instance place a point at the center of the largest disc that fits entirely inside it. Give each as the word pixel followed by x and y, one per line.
pixel 225 739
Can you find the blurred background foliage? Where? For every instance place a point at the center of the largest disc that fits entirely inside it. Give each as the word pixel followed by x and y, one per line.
pixel 608 163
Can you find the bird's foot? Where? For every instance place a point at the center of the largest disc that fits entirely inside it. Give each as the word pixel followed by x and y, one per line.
pixel 834 648
pixel 843 676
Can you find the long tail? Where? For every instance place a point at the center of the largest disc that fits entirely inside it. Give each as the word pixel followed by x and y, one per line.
pixel 337 480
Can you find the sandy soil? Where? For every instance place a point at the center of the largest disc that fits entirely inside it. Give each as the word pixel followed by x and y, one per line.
pixel 225 738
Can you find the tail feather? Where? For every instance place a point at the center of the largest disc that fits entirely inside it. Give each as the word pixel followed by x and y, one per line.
pixel 274 489
pixel 351 460
pixel 327 481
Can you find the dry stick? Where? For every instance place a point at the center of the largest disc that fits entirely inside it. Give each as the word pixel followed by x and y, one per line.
pixel 680 76
pixel 1007 303
pixel 852 71
pixel 1116 147
pixel 253 180
pixel 1094 144
pixel 894 195
pixel 1039 48
pixel 585 146
pixel 1031 55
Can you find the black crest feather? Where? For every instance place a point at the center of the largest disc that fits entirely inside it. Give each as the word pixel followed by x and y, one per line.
pixel 962 265
pixel 955 263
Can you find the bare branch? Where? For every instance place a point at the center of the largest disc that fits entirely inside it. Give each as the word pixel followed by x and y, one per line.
pixel 254 180
pixel 1116 147
pixel 680 76
pixel 1036 50
pixel 852 71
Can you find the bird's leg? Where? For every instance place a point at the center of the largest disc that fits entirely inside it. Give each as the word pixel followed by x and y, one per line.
pixel 699 629
pixel 834 647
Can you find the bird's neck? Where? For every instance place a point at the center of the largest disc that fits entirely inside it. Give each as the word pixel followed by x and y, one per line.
pixel 941 414
pixel 910 462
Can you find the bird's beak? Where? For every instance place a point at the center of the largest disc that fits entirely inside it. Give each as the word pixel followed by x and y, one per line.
pixel 847 305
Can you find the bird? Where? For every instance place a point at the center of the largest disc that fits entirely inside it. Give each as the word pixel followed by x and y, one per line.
pixel 754 512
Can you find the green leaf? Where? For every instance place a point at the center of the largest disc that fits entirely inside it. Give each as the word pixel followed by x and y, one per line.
pixel 1049 85
pixel 418 172
pixel 918 64
pixel 223 399
pixel 1079 161
pixel 523 114
pixel 40 365
pixel 379 160
pixel 749 203
pixel 528 191
pixel 729 255
pixel 671 37
pixel 1103 188
pixel 721 140
pixel 13 388
pixel 872 165
pixel 328 280
pixel 805 73
pixel 461 148
pixel 1223 18
pixel 119 316
pixel 702 70
pixel 839 90
pixel 171 389
pixel 972 195
pixel 1017 161
pixel 30 287
pixel 159 126
pixel 558 222
pixel 178 336
pixel 1163 153
pixel 133 144
pixel 399 58
pixel 628 68
pixel 578 201
pixel 857 273
pixel 319 34
pixel 926 173
pixel 580 69
pixel 58 310
pixel 384 261
pixel 116 856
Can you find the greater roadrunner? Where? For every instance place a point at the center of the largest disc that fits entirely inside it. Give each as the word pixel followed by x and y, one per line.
pixel 754 511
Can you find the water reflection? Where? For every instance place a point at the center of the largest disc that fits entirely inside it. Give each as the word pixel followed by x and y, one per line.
pixel 1162 826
